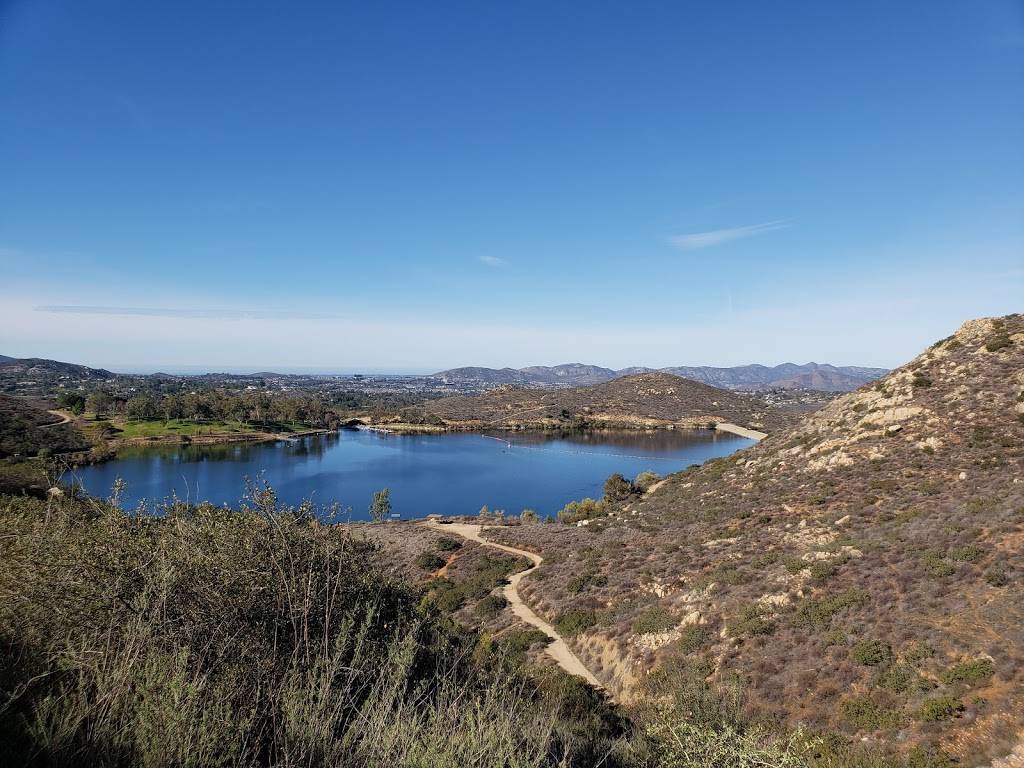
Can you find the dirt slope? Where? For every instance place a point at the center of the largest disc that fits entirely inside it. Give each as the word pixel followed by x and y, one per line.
pixel 862 573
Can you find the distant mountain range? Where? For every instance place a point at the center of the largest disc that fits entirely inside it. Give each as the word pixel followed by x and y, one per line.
pixel 828 378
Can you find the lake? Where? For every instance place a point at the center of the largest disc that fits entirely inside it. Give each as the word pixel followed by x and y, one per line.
pixel 446 473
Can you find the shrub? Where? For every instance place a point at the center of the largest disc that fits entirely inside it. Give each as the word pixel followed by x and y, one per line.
pixel 997 575
pixel 429 561
pixel 448 544
pixel 617 488
pixel 520 641
pixel 751 622
pixel 900 678
pixel 586 509
pixel 935 564
pixel 818 613
pixel 940 708
pixel 490 606
pixel 576 621
pixel 692 639
pixel 920 380
pixel 645 480
pixel 969 672
pixel 997 341
pixel 971 553
pixel 654 619
pixel 865 714
pixel 871 653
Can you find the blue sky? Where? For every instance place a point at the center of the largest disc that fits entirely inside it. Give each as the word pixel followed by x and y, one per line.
pixel 414 186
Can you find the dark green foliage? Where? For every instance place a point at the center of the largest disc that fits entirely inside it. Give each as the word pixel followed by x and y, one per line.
pixel 617 488
pixel 969 672
pixel 865 714
pixel 871 653
pixel 751 622
pixel 900 678
pixel 940 708
pixel 448 544
pixel 429 561
pixel 654 619
pixel 576 621
pixel 997 341
pixel 490 606
pixel 817 613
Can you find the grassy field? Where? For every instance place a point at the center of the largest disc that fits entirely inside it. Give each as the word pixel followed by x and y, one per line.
pixel 157 428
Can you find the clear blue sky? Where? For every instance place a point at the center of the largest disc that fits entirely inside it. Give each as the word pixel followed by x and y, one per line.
pixel 422 185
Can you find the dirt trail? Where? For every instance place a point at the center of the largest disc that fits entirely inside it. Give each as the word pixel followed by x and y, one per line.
pixel 557 648
pixel 65 418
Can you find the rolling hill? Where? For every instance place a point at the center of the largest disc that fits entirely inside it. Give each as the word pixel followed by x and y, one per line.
pixel 642 400
pixel 860 573
pixel 828 378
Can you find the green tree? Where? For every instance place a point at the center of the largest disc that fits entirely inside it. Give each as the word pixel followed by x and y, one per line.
pixel 618 488
pixel 381 506
pixel 98 402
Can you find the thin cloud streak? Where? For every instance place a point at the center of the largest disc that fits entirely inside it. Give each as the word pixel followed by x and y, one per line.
pixel 713 237
pixel 492 261
pixel 206 314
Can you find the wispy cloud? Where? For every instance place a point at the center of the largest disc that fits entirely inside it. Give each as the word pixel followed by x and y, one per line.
pixel 492 261
pixel 218 314
pixel 695 240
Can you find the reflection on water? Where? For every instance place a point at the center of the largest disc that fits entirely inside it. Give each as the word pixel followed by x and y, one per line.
pixel 448 474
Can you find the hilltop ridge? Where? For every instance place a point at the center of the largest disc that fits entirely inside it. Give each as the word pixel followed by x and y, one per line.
pixel 829 378
pixel 641 400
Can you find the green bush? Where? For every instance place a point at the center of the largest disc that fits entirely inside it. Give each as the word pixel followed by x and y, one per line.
pixel 969 672
pixel 654 619
pixel 448 544
pixel 817 613
pixel 940 708
pixel 576 621
pixel 865 714
pixel 490 606
pixel 900 678
pixel 429 561
pixel 751 622
pixel 871 653
pixel 997 575
pixel 971 553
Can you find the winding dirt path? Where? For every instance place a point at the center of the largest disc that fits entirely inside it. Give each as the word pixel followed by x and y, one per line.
pixel 65 418
pixel 557 649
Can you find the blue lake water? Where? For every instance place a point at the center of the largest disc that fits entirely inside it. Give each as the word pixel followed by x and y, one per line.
pixel 446 473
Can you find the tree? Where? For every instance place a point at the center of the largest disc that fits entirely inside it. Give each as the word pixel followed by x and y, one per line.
pixel 380 509
pixel 645 480
pixel 98 402
pixel 618 488
pixel 528 516
pixel 71 401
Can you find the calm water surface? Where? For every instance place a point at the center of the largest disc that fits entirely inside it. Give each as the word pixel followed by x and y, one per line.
pixel 447 474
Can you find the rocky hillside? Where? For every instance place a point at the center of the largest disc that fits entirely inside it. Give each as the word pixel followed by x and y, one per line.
pixel 861 575
pixel 644 400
